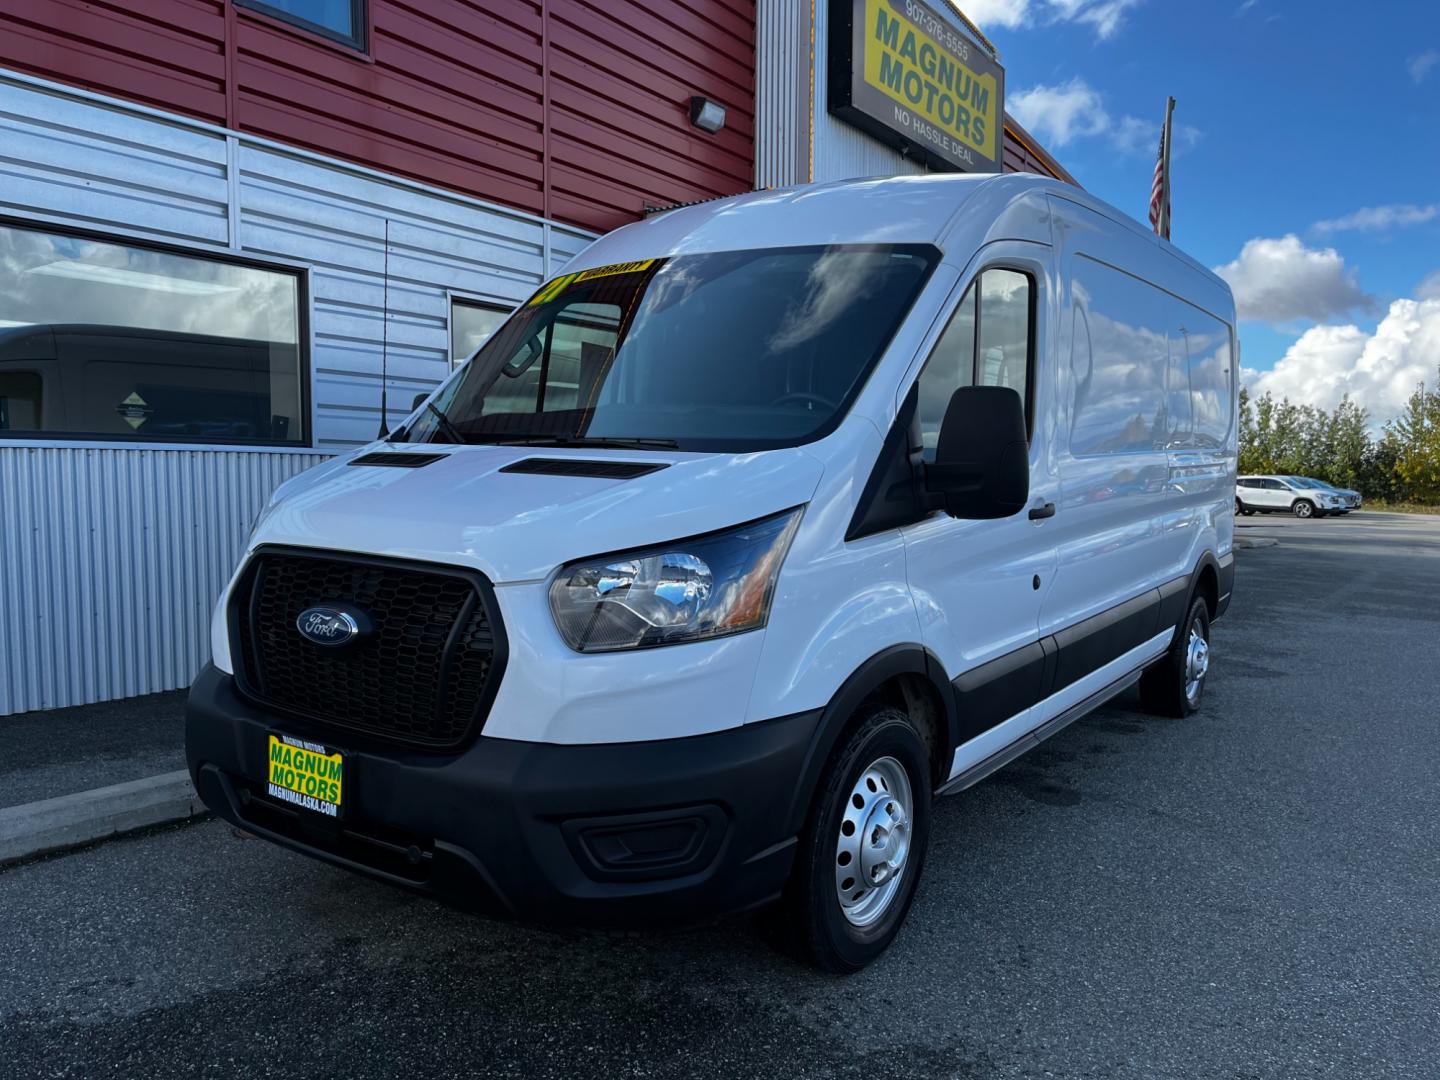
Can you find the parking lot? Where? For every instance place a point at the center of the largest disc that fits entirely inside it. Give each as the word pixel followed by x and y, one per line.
pixel 1248 893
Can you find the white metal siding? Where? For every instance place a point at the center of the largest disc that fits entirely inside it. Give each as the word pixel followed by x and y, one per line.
pixel 782 92
pixel 111 558
pixel 110 563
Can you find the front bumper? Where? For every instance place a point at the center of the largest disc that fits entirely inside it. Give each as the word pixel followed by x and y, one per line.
pixel 671 831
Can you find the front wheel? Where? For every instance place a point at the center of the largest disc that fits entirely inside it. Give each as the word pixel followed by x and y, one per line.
pixel 863 847
pixel 1303 508
pixel 1175 685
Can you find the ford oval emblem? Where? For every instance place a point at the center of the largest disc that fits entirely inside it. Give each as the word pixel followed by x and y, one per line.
pixel 328 626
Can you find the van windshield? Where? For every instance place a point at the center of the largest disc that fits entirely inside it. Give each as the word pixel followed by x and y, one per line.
pixel 731 351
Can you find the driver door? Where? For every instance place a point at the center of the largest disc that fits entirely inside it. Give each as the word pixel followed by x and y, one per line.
pixel 978 584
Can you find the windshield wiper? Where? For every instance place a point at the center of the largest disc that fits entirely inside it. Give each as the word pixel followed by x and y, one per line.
pixel 621 441
pixel 451 431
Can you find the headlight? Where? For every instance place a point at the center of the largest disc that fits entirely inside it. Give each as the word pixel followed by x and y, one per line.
pixel 710 586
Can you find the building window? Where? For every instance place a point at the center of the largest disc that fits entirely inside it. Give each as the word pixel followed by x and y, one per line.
pixel 339 20
pixel 471 324
pixel 116 341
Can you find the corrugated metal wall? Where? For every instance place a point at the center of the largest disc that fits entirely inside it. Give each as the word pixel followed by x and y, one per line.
pixel 128 547
pixel 110 563
pixel 782 93
pixel 452 92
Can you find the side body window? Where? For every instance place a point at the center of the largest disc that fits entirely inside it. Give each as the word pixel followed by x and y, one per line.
pixel 990 341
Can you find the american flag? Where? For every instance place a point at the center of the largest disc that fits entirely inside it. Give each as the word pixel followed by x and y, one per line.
pixel 1160 184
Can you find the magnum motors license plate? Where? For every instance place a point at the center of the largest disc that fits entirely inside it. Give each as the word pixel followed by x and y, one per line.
pixel 305 774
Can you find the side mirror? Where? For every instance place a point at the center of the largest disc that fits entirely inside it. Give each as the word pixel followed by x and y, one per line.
pixel 982 459
pixel 419 400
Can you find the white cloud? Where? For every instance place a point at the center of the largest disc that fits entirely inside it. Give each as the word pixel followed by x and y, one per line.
pixel 1059 114
pixel 1278 281
pixel 1420 65
pixel 1062 113
pixel 1379 371
pixel 992 13
pixel 1429 288
pixel 1104 15
pixel 1373 218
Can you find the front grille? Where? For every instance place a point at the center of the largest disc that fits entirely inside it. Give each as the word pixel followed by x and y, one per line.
pixel 424 674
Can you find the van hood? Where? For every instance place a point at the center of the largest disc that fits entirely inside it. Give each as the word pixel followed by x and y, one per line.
pixel 519 526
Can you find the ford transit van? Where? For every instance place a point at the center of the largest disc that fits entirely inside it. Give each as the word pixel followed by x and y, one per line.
pixel 763 524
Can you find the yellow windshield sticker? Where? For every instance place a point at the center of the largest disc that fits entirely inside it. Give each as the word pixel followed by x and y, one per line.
pixel 551 290
pixel 556 286
pixel 614 268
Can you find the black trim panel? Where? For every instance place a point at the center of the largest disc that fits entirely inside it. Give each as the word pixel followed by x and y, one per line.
pixel 891 496
pixel 398 459
pixel 996 691
pixel 1090 645
pixel 504 826
pixel 1006 686
pixel 602 470
pixel 1225 574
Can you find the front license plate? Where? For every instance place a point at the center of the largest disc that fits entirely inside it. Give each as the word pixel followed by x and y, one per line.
pixel 305 774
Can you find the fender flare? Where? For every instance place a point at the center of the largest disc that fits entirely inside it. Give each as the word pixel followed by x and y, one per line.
pixel 906 659
pixel 1176 596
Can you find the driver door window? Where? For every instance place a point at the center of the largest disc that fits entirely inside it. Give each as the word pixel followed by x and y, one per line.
pixel 988 342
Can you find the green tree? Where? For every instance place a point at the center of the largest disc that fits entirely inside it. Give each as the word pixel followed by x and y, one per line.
pixel 1348 443
pixel 1416 433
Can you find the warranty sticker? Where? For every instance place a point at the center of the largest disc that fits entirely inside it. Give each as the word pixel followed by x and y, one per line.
pixel 555 287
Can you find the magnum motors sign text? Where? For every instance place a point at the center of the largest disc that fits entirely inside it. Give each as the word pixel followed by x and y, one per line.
pixel 911 79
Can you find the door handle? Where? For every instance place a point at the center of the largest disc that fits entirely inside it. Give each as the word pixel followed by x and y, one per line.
pixel 1039 513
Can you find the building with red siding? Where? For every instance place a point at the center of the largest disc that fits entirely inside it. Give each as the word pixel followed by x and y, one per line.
pixel 238 236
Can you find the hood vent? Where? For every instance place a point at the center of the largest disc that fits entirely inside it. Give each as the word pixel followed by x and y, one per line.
pixel 397 460
pixel 603 470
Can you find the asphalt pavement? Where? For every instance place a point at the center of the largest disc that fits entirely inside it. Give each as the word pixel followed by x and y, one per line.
pixel 1247 893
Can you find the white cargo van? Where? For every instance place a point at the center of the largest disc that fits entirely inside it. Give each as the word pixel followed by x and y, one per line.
pixel 764 523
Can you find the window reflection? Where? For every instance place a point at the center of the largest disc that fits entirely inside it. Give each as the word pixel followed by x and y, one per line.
pixel 987 342
pixel 471 325
pixel 1151 371
pixel 105 339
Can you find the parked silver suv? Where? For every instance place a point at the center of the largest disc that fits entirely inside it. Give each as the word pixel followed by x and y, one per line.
pixel 1268 494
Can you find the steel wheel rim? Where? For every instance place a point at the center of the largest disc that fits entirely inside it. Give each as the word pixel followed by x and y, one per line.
pixel 1197 663
pixel 872 847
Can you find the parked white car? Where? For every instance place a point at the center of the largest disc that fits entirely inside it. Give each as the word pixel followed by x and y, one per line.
pixel 1286 495
pixel 763 523
pixel 1349 497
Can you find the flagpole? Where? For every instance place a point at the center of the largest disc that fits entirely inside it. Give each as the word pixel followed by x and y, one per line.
pixel 1165 177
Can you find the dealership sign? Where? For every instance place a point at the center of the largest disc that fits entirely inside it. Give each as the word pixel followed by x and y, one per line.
pixel 909 77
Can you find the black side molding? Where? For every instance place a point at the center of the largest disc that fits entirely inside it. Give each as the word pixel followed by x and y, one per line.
pixel 995 691
pixel 603 470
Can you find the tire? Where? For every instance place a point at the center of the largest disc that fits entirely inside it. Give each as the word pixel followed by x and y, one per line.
pixel 812 920
pixel 1302 508
pixel 1172 687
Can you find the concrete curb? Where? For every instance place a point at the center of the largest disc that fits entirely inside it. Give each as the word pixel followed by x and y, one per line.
pixel 1257 542
pixel 70 820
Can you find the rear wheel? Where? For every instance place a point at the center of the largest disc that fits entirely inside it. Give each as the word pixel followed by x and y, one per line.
pixel 1303 508
pixel 1176 685
pixel 863 846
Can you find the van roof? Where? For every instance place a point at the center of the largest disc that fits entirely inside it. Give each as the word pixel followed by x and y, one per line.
pixel 959 209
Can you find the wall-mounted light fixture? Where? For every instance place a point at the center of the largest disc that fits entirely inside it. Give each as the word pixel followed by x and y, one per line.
pixel 707 115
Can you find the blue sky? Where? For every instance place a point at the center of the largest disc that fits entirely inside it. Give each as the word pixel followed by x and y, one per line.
pixel 1308 130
